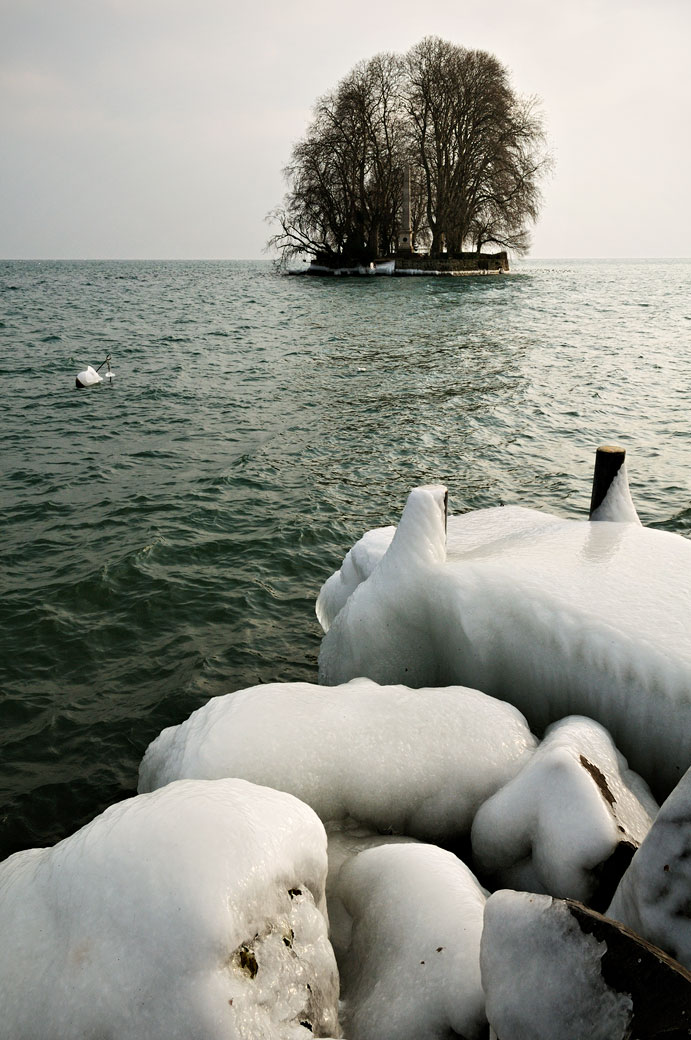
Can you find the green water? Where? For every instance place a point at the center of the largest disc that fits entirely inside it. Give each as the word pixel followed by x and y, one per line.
pixel 164 538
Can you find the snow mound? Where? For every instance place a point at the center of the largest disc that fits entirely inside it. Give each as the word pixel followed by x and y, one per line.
pixel 194 911
pixel 412 969
pixel 553 827
pixel 556 616
pixel 654 895
pixel 415 762
pixel 542 975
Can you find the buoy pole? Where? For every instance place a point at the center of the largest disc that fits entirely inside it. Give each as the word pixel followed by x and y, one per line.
pixel 609 458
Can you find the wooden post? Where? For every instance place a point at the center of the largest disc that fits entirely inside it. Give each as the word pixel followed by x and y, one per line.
pixel 609 459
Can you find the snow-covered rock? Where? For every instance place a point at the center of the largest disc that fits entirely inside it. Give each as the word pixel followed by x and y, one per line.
pixel 542 975
pixel 196 911
pixel 412 968
pixel 558 823
pixel 556 616
pixel 414 762
pixel 357 566
pixel 654 895
pixel 359 562
pixel 347 839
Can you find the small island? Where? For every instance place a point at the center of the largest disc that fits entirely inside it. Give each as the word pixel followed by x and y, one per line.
pixel 415 164
pixel 413 264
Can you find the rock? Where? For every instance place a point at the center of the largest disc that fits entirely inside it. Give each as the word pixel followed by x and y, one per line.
pixel 654 895
pixel 195 911
pixel 403 761
pixel 659 986
pixel 555 969
pixel 568 824
pixel 412 969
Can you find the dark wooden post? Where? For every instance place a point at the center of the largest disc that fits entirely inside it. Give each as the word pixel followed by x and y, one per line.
pixel 609 459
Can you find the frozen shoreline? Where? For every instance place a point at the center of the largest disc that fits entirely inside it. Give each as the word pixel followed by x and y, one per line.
pixel 455 837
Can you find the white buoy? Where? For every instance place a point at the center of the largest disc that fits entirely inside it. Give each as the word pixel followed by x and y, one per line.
pixel 89 377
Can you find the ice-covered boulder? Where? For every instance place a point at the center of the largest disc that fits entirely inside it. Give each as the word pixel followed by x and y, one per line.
pixel 543 977
pixel 196 911
pixel 557 616
pixel 554 968
pixel 415 762
pixel 412 969
pixel 614 505
pixel 347 839
pixel 569 822
pixel 654 895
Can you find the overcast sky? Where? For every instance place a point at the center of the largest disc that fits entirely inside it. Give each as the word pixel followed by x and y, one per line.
pixel 159 128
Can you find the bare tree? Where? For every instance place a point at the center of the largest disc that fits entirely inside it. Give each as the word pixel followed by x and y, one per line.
pixel 476 149
pixel 508 196
pixel 345 177
pixel 481 147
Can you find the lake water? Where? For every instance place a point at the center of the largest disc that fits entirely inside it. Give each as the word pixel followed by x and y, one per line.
pixel 164 538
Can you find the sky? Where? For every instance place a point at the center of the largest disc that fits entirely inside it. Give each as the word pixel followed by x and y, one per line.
pixel 155 129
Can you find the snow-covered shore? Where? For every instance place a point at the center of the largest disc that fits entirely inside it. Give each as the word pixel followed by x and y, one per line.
pixel 503 691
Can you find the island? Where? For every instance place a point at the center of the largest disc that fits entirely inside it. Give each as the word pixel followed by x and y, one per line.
pixel 415 164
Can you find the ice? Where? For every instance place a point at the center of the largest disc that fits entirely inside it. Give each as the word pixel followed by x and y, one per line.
pixel 553 826
pixel 363 557
pixel 654 895
pixel 357 566
pixel 414 762
pixel 196 911
pixel 412 969
pixel 556 616
pixel 542 975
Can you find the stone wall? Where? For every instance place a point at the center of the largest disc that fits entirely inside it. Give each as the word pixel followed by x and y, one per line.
pixel 456 263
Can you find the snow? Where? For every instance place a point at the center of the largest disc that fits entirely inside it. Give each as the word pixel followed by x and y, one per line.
pixel 194 911
pixel 412 969
pixel 552 827
pixel 413 762
pixel 541 974
pixel 654 895
pixel 556 616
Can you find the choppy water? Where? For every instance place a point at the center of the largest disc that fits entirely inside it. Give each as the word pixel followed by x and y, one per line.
pixel 164 539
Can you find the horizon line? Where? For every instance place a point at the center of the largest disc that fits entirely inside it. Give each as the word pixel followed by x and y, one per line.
pixel 257 259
